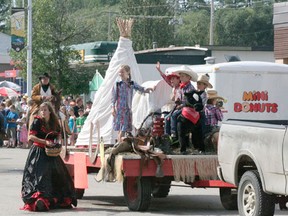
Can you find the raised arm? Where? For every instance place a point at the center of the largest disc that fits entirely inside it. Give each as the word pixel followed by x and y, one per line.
pixel 162 74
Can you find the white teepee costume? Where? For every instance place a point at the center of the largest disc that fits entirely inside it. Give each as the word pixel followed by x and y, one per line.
pixel 100 114
pixel 101 108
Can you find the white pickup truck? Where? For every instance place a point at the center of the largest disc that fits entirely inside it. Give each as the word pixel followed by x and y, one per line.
pixel 254 157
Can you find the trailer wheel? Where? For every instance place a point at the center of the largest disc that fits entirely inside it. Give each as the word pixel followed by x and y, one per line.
pixel 79 193
pixel 228 198
pixel 252 200
pixel 161 188
pixel 137 192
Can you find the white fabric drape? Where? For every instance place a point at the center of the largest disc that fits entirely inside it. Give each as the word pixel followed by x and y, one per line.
pixel 101 108
pixel 143 104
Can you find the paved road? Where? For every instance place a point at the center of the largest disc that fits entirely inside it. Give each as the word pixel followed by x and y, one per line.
pixel 106 198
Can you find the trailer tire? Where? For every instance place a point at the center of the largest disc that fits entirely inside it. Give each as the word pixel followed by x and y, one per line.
pixel 252 200
pixel 161 188
pixel 79 193
pixel 137 193
pixel 228 199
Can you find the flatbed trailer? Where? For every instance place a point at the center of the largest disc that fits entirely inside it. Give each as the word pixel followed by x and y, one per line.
pixel 139 179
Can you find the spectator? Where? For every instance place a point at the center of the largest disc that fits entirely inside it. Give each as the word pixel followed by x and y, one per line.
pixel 88 108
pixel 2 129
pixel 24 133
pixel 72 126
pixel 66 104
pixel 11 126
pixel 80 120
pixel 79 105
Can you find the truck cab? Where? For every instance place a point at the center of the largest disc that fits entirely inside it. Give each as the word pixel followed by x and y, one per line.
pixel 254 156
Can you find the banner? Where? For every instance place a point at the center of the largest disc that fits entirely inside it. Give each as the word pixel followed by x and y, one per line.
pixel 17 29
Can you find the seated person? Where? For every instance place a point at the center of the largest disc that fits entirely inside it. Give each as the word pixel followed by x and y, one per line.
pixel 174 81
pixel 213 112
pixel 186 75
pixel 202 84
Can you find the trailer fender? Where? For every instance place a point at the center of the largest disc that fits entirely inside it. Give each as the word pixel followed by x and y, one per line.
pixel 80 171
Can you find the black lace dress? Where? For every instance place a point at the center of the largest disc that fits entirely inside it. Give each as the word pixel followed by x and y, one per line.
pixel 46 178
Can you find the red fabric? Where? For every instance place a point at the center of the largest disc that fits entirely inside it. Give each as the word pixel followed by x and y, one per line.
pixel 172 75
pixel 191 114
pixel 182 85
pixel 41 145
pixel 67 202
pixel 32 132
pixel 32 206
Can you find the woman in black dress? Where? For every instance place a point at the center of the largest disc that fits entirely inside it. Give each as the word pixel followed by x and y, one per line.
pixel 46 182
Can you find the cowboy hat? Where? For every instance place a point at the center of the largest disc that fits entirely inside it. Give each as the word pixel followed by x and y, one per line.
pixel 186 70
pixel 212 94
pixel 45 75
pixel 170 74
pixel 205 79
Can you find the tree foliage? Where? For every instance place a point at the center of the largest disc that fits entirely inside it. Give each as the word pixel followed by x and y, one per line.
pixel 53 29
pixel 4 14
pixel 57 24
pixel 151 22
pixel 194 29
pixel 244 27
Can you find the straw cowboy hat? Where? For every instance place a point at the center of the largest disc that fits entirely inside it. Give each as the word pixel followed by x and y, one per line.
pixel 212 94
pixel 186 70
pixel 205 79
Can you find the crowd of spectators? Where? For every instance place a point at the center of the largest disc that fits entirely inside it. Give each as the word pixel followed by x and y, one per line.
pixel 14 119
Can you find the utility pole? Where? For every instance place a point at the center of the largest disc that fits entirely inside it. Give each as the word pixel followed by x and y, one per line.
pixel 29 49
pixel 211 40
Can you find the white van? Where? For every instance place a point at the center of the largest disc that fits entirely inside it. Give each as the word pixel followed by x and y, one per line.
pixel 253 90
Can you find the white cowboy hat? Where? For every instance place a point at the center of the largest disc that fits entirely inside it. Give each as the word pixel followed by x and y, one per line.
pixel 212 94
pixel 186 70
pixel 205 79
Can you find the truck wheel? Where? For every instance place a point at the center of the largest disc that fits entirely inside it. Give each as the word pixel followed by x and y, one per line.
pixel 161 188
pixel 228 198
pixel 137 192
pixel 252 200
pixel 79 193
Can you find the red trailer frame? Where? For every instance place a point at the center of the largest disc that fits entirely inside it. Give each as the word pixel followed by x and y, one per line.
pixel 138 186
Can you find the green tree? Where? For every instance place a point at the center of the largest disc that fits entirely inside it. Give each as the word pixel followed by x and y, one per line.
pixel 151 22
pixel 244 27
pixel 53 29
pixel 4 15
pixel 194 29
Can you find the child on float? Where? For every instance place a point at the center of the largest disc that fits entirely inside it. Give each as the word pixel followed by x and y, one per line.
pixel 202 85
pixel 174 81
pixel 186 75
pixel 121 103
pixel 213 111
